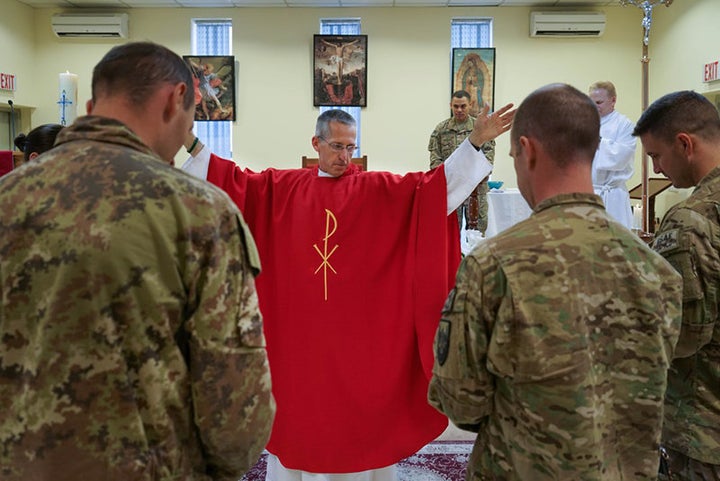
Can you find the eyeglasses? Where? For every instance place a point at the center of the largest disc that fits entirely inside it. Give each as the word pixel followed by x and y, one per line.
pixel 337 147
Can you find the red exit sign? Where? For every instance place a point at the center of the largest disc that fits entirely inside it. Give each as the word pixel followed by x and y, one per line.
pixel 7 81
pixel 711 71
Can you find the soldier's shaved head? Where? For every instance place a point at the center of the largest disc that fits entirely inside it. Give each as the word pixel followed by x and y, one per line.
pixel 563 119
pixel 137 69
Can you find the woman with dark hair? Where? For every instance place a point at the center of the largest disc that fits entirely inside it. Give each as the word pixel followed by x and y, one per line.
pixel 38 140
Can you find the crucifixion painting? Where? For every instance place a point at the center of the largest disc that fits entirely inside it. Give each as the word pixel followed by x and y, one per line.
pixel 340 70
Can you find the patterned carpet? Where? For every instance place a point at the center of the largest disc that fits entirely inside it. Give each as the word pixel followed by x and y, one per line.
pixel 438 461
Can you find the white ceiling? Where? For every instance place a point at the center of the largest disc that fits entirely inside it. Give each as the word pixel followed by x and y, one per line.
pixel 309 3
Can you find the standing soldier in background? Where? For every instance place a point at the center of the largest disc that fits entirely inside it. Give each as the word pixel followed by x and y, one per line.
pixel 555 344
pixel 681 134
pixel 131 344
pixel 446 137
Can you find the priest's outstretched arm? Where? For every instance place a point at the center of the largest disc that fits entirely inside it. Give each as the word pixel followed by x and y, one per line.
pixel 464 169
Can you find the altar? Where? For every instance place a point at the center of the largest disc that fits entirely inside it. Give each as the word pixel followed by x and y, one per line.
pixel 506 208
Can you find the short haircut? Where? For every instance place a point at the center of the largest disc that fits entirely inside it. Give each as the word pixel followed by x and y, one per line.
pixel 564 120
pixel 459 94
pixel 137 69
pixel 683 111
pixel 322 127
pixel 38 140
pixel 605 85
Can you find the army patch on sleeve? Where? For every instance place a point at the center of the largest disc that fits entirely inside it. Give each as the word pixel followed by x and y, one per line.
pixel 667 241
pixel 449 301
pixel 443 342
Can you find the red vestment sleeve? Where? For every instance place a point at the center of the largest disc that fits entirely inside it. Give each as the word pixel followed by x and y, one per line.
pixel 432 274
pixel 355 272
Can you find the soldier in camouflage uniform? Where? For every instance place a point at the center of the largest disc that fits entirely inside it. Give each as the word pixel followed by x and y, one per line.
pixel 681 134
pixel 555 343
pixel 131 345
pixel 446 137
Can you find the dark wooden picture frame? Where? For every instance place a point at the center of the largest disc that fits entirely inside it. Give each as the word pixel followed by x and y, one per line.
pixel 214 83
pixel 340 70
pixel 473 70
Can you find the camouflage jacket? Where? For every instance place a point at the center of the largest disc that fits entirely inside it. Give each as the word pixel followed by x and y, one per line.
pixel 131 345
pixel 689 237
pixel 448 135
pixel 554 346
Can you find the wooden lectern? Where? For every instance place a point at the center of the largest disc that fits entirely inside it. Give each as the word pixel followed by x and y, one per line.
pixel 656 185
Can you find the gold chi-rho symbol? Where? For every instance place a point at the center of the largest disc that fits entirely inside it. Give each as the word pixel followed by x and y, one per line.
pixel 330 228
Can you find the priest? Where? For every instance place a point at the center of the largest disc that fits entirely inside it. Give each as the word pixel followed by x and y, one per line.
pixel 612 166
pixel 355 269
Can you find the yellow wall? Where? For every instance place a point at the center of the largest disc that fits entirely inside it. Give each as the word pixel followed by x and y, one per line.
pixel 18 50
pixel 18 55
pixel 408 68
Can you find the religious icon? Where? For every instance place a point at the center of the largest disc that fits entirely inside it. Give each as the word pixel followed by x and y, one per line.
pixel 340 65
pixel 214 84
pixel 473 70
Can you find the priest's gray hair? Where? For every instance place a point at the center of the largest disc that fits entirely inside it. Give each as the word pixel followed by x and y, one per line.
pixel 322 127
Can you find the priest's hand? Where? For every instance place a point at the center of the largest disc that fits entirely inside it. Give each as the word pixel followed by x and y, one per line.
pixel 488 126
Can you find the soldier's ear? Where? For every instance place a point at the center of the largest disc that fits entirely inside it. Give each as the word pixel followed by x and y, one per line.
pixel 686 143
pixel 529 148
pixel 174 101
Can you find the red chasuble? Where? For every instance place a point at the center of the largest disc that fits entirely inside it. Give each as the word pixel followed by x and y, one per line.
pixel 355 271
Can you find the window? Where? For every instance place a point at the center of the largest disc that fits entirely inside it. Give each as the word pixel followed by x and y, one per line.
pixel 471 33
pixel 343 26
pixel 213 37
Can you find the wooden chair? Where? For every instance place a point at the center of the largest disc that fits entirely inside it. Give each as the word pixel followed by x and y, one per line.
pixel 309 162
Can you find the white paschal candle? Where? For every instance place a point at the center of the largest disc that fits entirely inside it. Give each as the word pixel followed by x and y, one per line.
pixel 637 217
pixel 67 98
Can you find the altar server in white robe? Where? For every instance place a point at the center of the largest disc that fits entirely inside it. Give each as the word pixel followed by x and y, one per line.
pixel 613 163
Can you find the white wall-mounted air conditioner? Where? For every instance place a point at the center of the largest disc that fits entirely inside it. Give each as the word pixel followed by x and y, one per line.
pixel 90 25
pixel 567 24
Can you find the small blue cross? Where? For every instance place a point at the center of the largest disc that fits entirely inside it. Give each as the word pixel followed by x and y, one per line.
pixel 64 101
